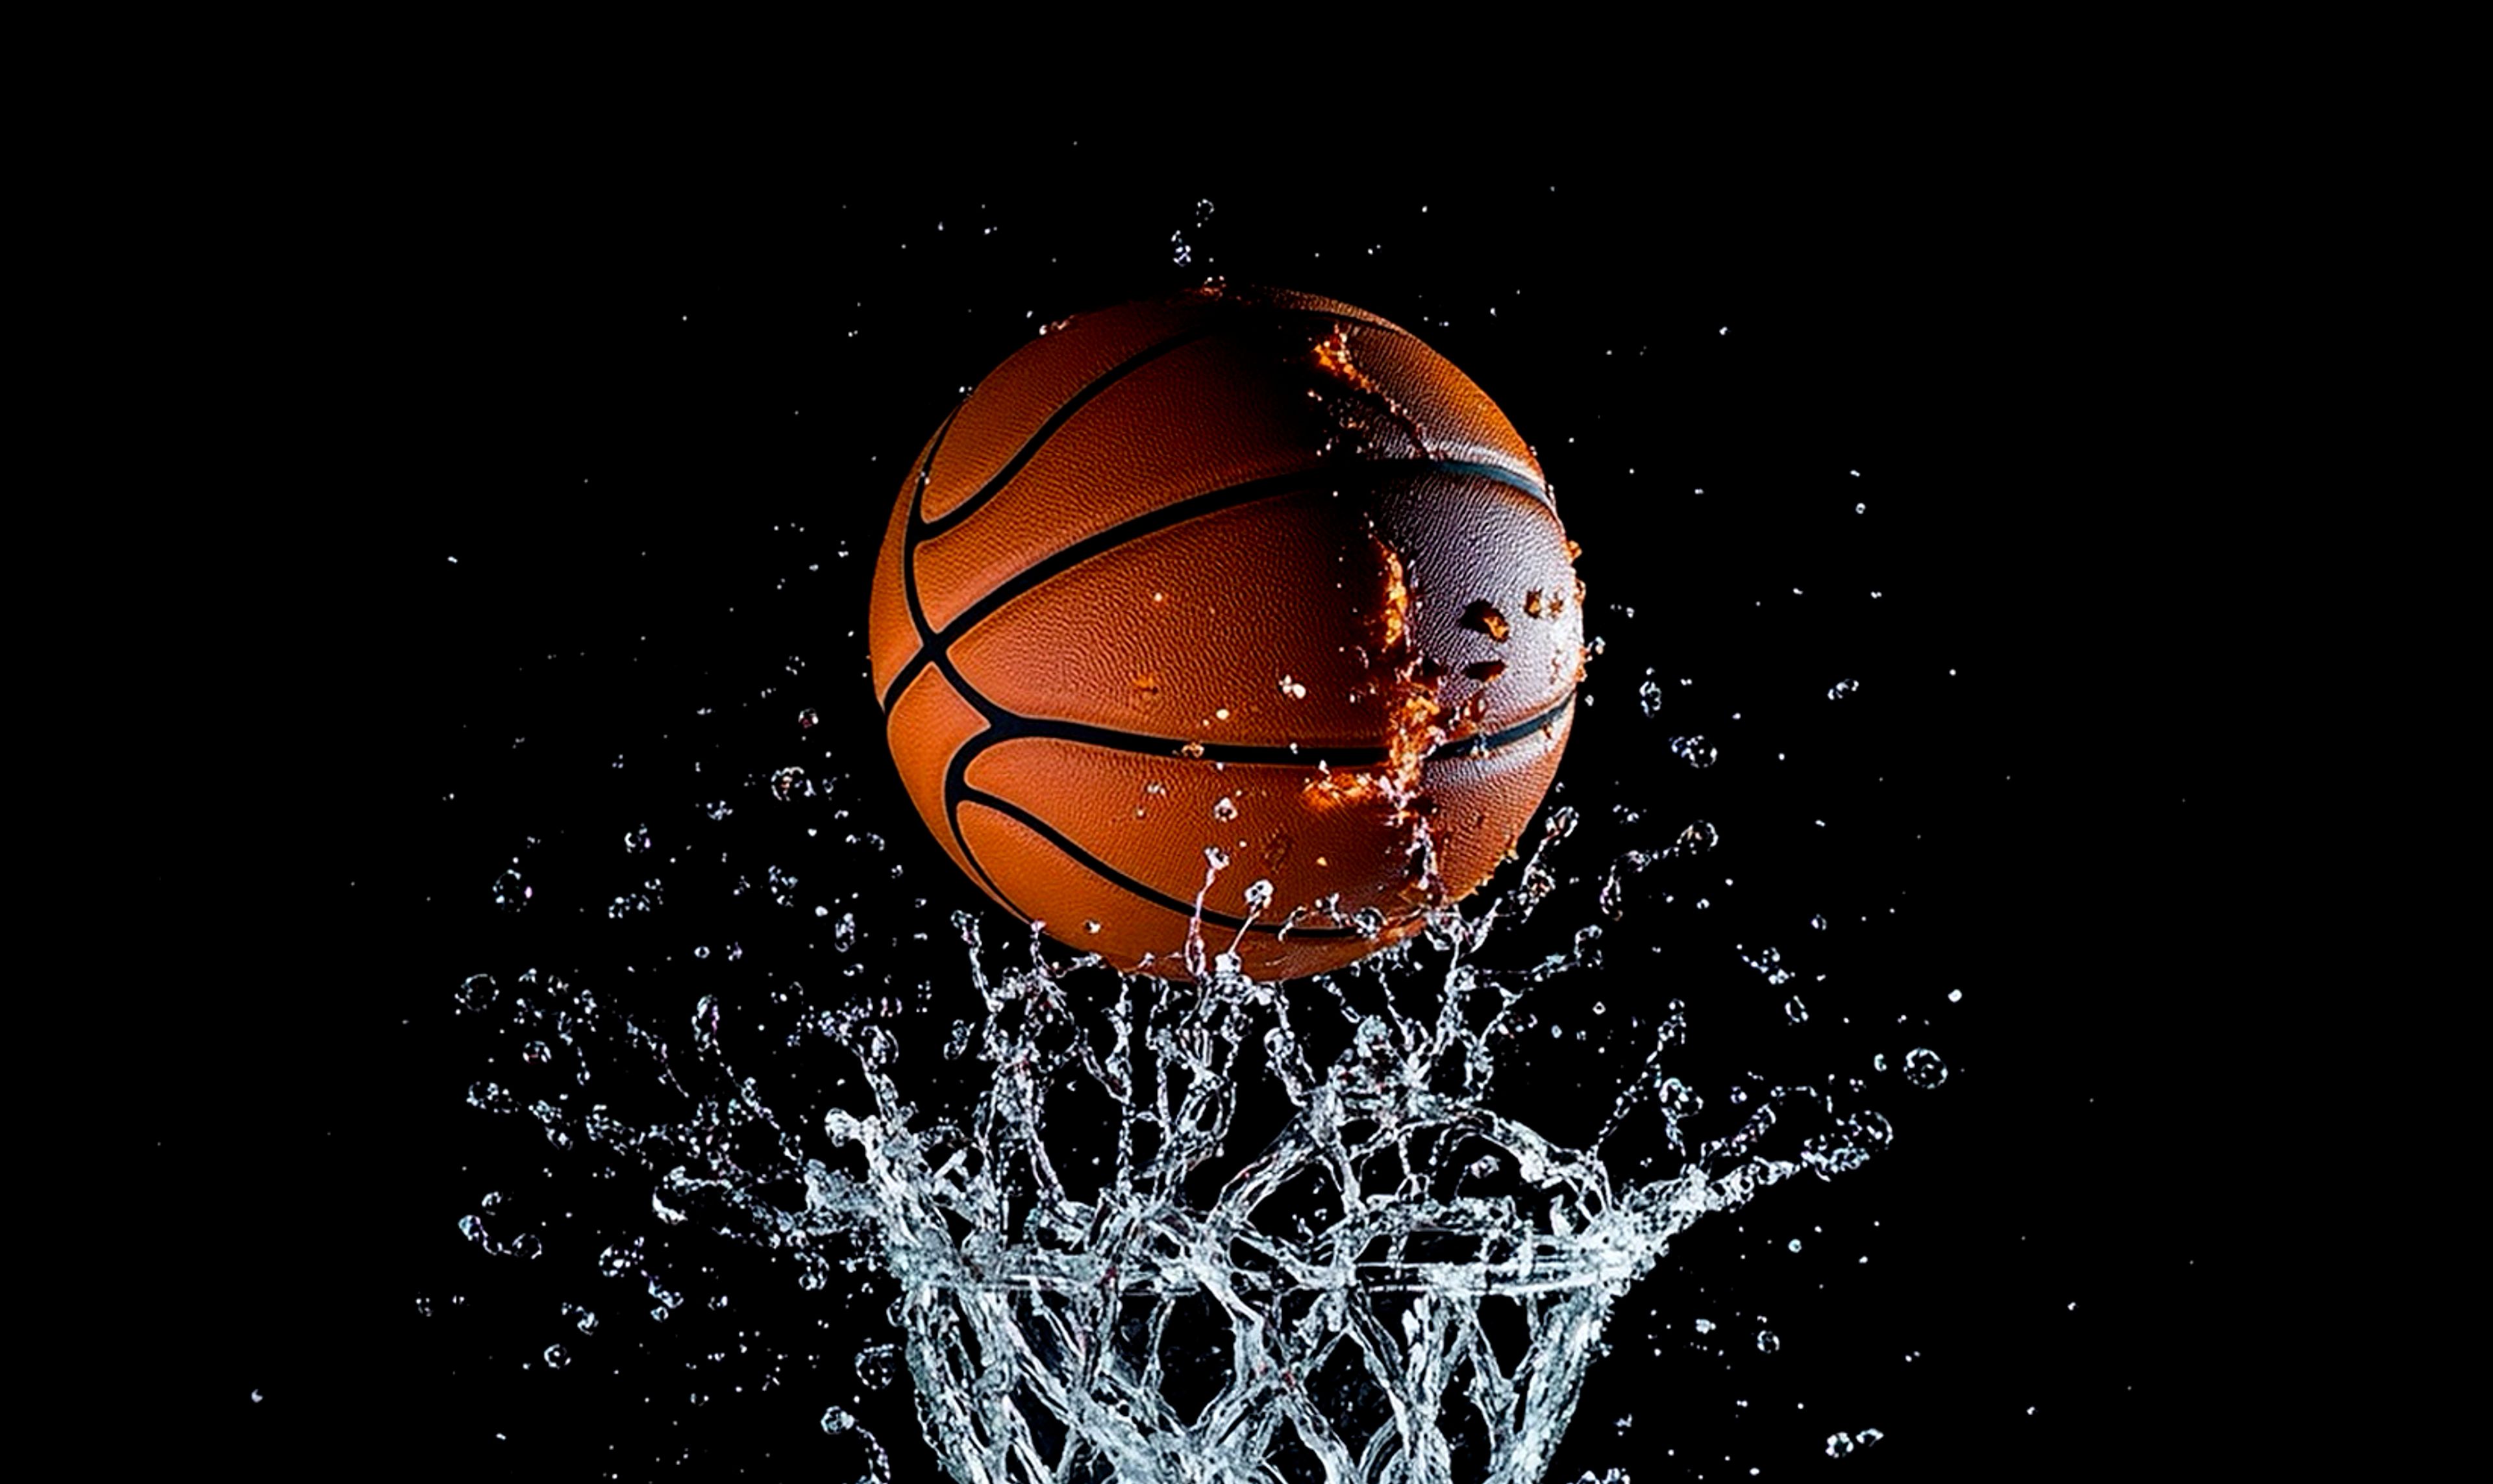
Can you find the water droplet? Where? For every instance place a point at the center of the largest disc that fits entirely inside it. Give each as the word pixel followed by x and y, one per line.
pixel 1842 688
pixel 808 719
pixel 1483 615
pixel 1696 752
pixel 1224 809
pixel 1924 1069
pixel 1649 697
pixel 510 892
pixel 556 1357
pixel 786 783
pixel 477 992
pixel 635 840
pixel 835 1421
pixel 1846 1147
pixel 877 1366
pixel 1768 1342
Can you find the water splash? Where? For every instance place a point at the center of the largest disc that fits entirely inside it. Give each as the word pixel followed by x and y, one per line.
pixel 1105 1275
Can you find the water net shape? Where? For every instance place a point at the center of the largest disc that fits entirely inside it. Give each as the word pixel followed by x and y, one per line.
pixel 1403 1286
pixel 1415 1340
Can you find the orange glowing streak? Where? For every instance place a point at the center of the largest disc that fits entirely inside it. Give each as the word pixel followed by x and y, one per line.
pixel 1332 353
pixel 1416 720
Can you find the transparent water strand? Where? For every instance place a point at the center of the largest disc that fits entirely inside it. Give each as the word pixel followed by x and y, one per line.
pixel 1359 1280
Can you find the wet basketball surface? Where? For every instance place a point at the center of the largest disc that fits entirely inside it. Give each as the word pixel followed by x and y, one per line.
pixel 1199 553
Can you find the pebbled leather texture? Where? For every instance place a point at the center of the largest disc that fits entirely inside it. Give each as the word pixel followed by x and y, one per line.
pixel 1241 574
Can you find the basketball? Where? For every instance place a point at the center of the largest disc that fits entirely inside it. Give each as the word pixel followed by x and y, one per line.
pixel 1238 622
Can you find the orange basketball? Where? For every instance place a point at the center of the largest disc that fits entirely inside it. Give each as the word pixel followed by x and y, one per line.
pixel 1242 605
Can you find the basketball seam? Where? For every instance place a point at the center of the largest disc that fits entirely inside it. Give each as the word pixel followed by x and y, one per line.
pixel 1091 389
pixel 928 645
pixel 1013 726
pixel 1116 877
pixel 964 793
pixel 1039 440
pixel 1151 523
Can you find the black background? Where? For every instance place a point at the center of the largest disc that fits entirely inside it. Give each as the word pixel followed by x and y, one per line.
pixel 646 427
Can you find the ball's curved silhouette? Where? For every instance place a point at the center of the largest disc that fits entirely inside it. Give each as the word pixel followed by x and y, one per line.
pixel 1241 607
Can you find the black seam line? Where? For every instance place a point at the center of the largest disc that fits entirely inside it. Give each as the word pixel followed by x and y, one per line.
pixel 957 791
pixel 908 544
pixel 1007 726
pixel 1114 876
pixel 1031 446
pixel 958 765
pixel 1003 726
pixel 934 644
pixel 1481 745
pixel 1100 383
